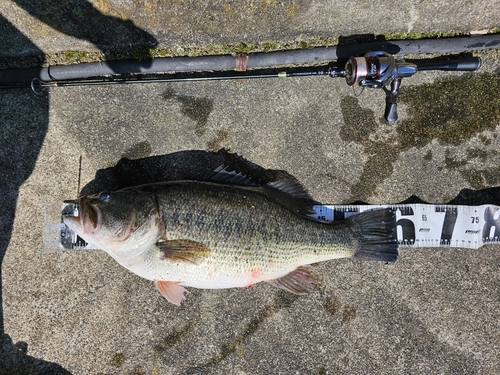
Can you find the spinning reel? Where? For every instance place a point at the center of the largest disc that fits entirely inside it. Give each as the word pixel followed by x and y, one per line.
pixel 380 70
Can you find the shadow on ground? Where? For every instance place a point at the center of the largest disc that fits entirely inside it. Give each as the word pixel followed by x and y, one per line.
pixel 23 139
pixel 195 164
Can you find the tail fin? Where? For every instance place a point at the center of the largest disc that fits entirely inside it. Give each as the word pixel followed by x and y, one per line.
pixel 376 233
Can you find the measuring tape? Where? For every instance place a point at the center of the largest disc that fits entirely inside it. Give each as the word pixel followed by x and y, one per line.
pixel 418 225
pixel 430 225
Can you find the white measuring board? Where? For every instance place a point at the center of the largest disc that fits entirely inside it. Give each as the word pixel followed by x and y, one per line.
pixel 430 225
pixel 417 225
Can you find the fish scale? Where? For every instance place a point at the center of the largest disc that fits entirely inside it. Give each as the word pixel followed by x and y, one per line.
pixel 270 237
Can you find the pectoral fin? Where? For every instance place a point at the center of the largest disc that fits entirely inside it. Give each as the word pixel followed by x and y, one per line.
pixel 299 281
pixel 172 291
pixel 183 250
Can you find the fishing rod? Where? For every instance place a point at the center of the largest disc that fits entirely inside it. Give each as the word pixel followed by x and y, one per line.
pixel 376 70
pixel 38 86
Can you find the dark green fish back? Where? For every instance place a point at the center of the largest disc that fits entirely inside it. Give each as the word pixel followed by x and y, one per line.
pixel 246 218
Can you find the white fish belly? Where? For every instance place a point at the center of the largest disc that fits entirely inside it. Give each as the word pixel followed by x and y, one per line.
pixel 229 268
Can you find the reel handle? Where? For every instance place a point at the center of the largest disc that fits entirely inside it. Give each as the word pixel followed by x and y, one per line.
pixel 391 109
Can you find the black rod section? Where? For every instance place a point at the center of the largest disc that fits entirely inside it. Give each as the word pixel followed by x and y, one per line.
pixel 454 64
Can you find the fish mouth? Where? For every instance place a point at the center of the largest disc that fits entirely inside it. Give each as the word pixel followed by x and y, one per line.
pixel 90 216
pixel 73 222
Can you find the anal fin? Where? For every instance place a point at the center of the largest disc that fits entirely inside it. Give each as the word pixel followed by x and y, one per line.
pixel 299 281
pixel 172 291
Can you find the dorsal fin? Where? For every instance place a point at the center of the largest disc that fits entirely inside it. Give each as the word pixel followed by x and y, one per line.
pixel 222 175
pixel 290 187
pixel 289 193
pixel 292 195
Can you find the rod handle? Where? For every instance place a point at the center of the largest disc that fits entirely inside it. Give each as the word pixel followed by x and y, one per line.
pixel 458 64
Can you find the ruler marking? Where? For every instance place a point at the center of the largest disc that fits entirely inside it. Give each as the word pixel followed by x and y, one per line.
pixel 428 225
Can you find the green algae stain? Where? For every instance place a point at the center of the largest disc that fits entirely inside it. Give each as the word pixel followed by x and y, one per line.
pixel 220 140
pixel 449 111
pixel 282 300
pixel 349 314
pixel 478 178
pixel 142 51
pixel 172 339
pixel 452 161
pixel 137 370
pixel 359 122
pixel 118 360
pixel 269 46
pixel 332 305
pixel 359 125
pixel 491 176
pixel 480 154
pixel 137 151
pixel 197 109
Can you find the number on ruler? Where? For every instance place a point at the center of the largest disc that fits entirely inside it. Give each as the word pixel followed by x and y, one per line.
pixel 491 229
pixel 406 227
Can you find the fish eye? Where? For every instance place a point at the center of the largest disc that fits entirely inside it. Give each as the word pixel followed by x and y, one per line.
pixel 104 197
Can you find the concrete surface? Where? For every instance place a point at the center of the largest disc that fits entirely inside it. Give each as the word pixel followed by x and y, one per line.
pixel 435 311
pixel 178 25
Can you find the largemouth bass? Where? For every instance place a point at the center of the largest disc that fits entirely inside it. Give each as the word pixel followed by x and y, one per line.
pixel 226 232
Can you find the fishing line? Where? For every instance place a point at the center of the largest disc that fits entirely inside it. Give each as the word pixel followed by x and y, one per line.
pixel 79 177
